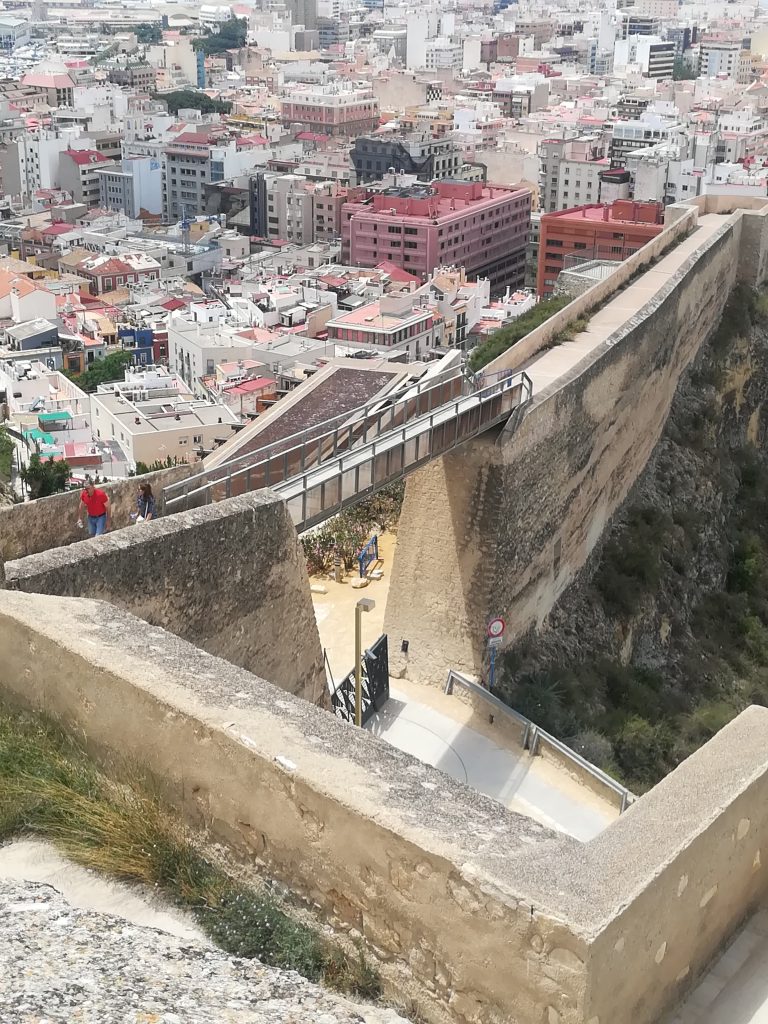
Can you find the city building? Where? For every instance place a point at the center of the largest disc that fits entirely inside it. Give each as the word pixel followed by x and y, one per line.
pixel 569 172
pixel 337 108
pixel 648 130
pixel 719 56
pixel 521 95
pixel 290 213
pixel 483 228
pixel 134 186
pixel 14 32
pixel 393 321
pixel 154 417
pixel 79 174
pixel 195 159
pixel 594 232
pixel 428 158
pixel 654 57
pixel 198 343
pixel 136 75
pixel 106 272
pixel 328 198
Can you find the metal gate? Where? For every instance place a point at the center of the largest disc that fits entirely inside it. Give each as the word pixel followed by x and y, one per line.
pixel 374 685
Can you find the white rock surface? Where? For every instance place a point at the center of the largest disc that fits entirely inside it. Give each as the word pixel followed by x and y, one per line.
pixel 61 964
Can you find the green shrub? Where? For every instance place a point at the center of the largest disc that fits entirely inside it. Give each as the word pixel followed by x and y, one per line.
pixel 630 566
pixel 642 750
pixel 45 476
pixel 6 455
pixel 347 532
pixel 506 337
pixel 50 789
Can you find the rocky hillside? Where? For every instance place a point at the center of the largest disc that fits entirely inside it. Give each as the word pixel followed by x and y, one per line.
pixel 664 636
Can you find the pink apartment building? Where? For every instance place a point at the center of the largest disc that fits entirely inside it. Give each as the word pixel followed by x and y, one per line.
pixel 483 228
pixel 335 109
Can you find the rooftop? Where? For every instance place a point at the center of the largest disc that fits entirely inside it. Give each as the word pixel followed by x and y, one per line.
pixel 83 157
pixel 371 317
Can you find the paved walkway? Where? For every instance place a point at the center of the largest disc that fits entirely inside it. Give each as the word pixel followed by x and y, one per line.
pixel 445 732
pixel 545 367
pixel 735 988
pixel 528 785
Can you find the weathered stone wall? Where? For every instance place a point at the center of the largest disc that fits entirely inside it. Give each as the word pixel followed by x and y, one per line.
pixel 420 866
pixel 478 914
pixel 508 526
pixel 230 577
pixel 51 522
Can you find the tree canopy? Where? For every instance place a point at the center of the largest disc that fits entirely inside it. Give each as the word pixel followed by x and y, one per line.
pixel 44 476
pixel 102 371
pixel 231 35
pixel 193 99
pixel 147 34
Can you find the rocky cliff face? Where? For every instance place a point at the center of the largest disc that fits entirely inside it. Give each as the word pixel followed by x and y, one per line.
pixel 664 636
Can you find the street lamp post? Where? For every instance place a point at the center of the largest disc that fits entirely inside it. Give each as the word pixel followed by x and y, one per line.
pixel 365 604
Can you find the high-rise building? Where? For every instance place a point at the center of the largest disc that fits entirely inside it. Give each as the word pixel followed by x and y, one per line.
pixel 569 172
pixel 483 228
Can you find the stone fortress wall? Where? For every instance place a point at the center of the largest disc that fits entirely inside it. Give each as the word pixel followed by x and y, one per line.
pixel 514 518
pixel 480 914
pixel 51 522
pixel 477 914
pixel 228 577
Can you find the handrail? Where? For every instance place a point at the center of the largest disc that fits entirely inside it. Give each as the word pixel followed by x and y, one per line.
pixel 534 735
pixel 327 428
pixel 499 387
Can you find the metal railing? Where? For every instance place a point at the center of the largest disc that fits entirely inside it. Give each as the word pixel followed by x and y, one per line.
pixel 369 553
pixel 310 447
pixel 316 494
pixel 533 736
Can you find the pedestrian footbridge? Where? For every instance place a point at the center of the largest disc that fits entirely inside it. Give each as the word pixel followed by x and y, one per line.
pixel 333 464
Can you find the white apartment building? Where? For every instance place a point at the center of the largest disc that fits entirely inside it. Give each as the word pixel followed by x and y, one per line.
pixel 569 172
pixel 198 340
pixel 444 55
pixel 654 57
pixel 719 57
pixel 153 416
pixel 31 161
pixel 132 186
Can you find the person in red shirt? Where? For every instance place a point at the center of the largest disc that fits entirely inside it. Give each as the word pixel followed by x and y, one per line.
pixel 95 503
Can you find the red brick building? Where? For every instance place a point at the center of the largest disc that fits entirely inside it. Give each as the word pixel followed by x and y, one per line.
pixel 594 232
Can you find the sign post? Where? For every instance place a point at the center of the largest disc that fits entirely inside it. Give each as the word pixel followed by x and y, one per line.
pixel 494 633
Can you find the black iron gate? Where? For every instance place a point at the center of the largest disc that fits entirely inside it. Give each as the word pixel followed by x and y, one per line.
pixel 374 685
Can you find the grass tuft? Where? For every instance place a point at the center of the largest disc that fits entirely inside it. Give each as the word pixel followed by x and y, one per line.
pixel 50 789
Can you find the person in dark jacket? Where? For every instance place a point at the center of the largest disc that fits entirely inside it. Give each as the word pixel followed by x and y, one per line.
pixel 145 503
